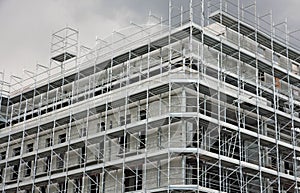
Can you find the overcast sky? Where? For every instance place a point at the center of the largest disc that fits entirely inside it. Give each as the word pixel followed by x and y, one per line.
pixel 26 25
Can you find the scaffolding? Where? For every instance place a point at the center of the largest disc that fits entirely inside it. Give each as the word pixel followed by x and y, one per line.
pixel 205 101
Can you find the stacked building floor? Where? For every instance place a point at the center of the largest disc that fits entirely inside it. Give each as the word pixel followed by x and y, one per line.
pixel 206 101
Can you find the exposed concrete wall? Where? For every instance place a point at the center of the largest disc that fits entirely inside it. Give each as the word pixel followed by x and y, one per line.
pixel 150 175
pixel 74 157
pixel 175 172
pixel 113 181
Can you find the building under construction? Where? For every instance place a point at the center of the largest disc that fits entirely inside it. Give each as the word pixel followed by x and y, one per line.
pixel 206 101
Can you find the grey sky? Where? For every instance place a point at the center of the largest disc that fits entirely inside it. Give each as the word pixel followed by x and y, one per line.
pixel 26 26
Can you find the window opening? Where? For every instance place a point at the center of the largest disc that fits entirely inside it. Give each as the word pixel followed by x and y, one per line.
pixel 17 151
pixel 30 147
pixel 143 115
pixel 15 172
pixel 133 180
pixel 62 138
pixel 124 144
pixel 48 142
pixel 28 169
pixel 142 138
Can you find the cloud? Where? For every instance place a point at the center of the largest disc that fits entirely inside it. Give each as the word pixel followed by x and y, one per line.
pixel 26 26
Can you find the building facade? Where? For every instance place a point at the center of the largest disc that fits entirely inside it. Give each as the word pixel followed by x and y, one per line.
pixel 207 101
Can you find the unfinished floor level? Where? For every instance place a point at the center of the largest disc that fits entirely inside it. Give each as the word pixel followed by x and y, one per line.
pixel 206 101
